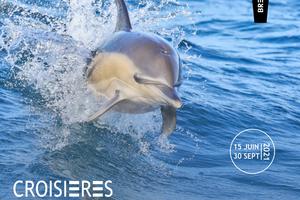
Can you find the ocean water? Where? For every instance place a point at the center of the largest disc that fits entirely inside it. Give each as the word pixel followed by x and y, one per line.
pixel 237 75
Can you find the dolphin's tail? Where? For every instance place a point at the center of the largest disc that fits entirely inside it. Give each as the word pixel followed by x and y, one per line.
pixel 123 20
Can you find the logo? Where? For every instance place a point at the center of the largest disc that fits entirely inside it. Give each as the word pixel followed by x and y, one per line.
pixel 260 10
pixel 60 188
pixel 252 151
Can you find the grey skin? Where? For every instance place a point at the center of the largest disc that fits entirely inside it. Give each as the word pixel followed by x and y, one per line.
pixel 137 72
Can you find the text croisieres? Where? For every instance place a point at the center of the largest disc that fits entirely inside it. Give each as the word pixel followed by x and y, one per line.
pixel 60 188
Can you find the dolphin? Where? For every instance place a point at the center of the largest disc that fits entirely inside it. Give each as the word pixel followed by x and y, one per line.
pixel 137 72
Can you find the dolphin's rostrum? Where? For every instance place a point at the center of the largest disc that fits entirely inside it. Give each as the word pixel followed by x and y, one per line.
pixel 137 72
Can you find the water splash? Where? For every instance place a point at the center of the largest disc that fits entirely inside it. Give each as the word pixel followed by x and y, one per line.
pixel 90 21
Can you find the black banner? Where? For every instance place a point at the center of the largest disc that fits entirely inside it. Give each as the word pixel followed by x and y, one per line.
pixel 260 10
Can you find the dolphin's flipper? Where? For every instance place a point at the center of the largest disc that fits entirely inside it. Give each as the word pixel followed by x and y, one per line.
pixel 169 120
pixel 123 20
pixel 106 106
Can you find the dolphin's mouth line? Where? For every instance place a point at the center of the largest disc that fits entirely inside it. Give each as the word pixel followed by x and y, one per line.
pixel 146 80
pixel 167 93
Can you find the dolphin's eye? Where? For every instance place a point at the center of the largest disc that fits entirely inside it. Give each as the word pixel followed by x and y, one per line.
pixel 163 51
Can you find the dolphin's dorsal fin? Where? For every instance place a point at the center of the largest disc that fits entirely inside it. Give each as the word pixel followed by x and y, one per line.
pixel 123 20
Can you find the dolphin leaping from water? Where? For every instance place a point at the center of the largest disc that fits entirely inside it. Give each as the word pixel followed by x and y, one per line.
pixel 137 72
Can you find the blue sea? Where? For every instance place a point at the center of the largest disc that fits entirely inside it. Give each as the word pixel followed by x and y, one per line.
pixel 237 75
